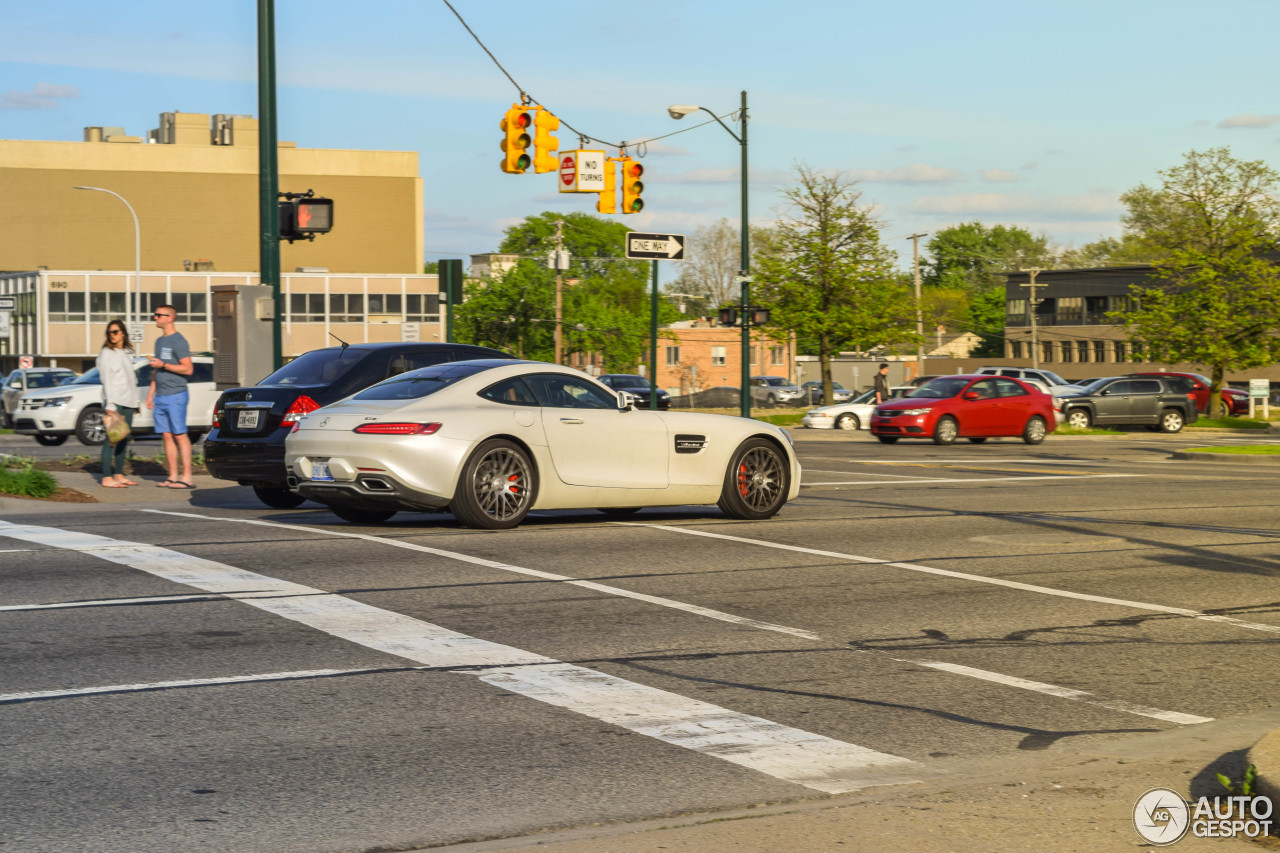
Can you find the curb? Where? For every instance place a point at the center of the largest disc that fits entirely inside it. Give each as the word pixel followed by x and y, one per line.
pixel 1223 458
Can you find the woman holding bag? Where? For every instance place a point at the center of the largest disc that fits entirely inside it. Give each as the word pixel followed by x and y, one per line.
pixel 120 396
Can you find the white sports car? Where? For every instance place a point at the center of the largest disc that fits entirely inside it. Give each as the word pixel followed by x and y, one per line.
pixel 855 414
pixel 491 440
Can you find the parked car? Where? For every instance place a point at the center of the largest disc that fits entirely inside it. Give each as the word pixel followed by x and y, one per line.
pixel 854 414
pixel 1154 402
pixel 26 379
pixel 250 424
pixel 54 414
pixel 813 392
pixel 1237 401
pixel 493 439
pixel 1046 380
pixel 771 391
pixel 975 407
pixel 637 386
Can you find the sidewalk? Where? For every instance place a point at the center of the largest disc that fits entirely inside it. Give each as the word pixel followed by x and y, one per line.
pixel 208 492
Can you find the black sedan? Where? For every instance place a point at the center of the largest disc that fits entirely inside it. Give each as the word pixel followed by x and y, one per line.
pixel 246 443
pixel 637 386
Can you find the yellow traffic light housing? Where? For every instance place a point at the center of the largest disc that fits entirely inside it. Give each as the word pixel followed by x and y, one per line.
pixel 515 141
pixel 631 186
pixel 608 202
pixel 544 144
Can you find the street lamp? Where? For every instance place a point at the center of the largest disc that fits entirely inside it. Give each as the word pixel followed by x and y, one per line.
pixel 137 260
pixel 679 111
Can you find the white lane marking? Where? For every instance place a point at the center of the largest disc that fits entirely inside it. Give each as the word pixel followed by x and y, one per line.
pixel 1008 680
pixel 973 480
pixel 186 682
pixel 507 567
pixel 1026 587
pixel 1063 692
pixel 786 753
pixel 108 602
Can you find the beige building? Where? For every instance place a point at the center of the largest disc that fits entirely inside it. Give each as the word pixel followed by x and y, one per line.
pixel 194 186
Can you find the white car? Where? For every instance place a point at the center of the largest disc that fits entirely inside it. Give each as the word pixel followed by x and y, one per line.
pixel 26 379
pixel 53 414
pixel 855 414
pixel 1046 380
pixel 491 440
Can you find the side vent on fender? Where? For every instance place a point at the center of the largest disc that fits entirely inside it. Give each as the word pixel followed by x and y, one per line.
pixel 690 443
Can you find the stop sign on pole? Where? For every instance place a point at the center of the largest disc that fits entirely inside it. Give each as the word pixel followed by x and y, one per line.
pixel 25 361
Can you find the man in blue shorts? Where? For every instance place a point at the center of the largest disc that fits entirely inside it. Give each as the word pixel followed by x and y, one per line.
pixel 170 367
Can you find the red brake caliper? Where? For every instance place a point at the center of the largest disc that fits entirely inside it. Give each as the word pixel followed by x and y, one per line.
pixel 515 490
pixel 742 479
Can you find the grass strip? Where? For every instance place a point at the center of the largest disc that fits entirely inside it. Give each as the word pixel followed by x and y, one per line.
pixel 27 482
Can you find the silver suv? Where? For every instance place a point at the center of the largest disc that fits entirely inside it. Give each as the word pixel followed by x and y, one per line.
pixel 775 390
pixel 1046 380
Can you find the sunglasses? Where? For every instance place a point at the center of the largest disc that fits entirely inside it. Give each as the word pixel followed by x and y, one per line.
pixel 161 315
pixel 116 332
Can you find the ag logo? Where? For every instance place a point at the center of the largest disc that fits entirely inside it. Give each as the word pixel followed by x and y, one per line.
pixel 1161 816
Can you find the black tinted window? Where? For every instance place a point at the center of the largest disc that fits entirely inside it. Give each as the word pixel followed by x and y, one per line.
pixel 420 383
pixel 318 367
pixel 406 361
pixel 201 372
pixel 558 391
pixel 1145 386
pixel 512 392
pixel 47 380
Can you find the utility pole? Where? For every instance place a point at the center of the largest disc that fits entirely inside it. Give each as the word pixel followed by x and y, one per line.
pixel 269 175
pixel 915 268
pixel 1031 312
pixel 559 284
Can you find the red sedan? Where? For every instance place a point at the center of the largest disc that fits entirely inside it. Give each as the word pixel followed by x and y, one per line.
pixel 972 407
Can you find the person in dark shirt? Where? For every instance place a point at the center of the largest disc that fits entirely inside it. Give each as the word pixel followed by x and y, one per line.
pixel 882 384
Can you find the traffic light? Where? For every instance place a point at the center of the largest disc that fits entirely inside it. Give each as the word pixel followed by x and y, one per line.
pixel 515 141
pixel 631 186
pixel 728 316
pixel 544 144
pixel 608 202
pixel 303 216
pixel 759 316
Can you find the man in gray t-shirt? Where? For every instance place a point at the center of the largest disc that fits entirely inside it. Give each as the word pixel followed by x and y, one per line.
pixel 170 367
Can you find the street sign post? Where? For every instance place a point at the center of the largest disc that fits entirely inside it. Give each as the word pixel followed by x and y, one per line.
pixel 665 247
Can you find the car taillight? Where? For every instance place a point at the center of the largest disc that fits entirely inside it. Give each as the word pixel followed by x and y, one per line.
pixel 397 429
pixel 217 416
pixel 299 407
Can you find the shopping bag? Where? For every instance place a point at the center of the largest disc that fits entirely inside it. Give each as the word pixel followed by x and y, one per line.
pixel 116 426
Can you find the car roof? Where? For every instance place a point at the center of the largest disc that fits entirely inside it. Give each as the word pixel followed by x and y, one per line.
pixel 376 346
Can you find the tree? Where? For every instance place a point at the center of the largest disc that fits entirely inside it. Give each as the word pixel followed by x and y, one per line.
pixel 972 259
pixel 826 274
pixel 606 311
pixel 712 262
pixel 1109 252
pixel 1215 296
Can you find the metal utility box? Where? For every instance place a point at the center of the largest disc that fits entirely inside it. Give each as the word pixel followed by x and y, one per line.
pixel 242 315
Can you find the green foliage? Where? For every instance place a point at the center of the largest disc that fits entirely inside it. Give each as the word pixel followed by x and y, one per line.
pixel 825 273
pixel 431 267
pixel 1215 298
pixel 606 311
pixel 27 482
pixel 1246 782
pixel 1109 252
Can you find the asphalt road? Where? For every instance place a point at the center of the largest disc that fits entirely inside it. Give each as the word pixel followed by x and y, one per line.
pixel 220 676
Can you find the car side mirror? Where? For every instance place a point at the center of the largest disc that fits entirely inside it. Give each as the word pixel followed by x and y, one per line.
pixel 626 401
pixel 972 395
pixel 17 383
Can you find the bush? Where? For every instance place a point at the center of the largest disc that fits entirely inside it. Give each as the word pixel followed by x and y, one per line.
pixel 27 482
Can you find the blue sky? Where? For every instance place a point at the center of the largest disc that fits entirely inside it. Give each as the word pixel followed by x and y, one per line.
pixel 1031 113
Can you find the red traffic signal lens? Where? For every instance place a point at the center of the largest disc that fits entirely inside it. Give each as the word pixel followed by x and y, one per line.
pixel 522 120
pixel 634 170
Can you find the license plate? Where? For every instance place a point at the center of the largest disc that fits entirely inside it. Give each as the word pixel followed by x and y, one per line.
pixel 320 470
pixel 248 418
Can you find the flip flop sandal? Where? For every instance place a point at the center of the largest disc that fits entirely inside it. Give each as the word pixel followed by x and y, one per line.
pixel 164 484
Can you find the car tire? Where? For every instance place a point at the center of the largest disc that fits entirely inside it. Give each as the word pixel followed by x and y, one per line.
pixel 887 439
pixel 89 429
pixel 1035 430
pixel 1171 420
pixel 756 482
pixel 358 515
pixel 278 498
pixel 770 401
pixel 50 440
pixel 977 439
pixel 946 431
pixel 496 488
pixel 1079 419
pixel 848 421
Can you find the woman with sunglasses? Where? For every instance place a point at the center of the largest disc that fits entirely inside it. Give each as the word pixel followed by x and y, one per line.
pixel 119 395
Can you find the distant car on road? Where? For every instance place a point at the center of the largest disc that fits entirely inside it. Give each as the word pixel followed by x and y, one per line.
pixel 772 391
pixel 813 392
pixel 975 407
pixel 26 379
pixel 637 386
pixel 854 414
pixel 1237 402
pixel 1162 404
pixel 1046 380
pixel 54 414
pixel 250 424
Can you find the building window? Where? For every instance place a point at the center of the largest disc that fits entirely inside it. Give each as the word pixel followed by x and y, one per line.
pixel 775 356
pixel 306 307
pixel 106 306
pixel 66 307
pixel 718 358
pixel 1082 350
pixel 754 360
pixel 673 356
pixel 1099 351
pixel 1067 352
pixel 422 308
pixel 1015 349
pixel 192 307
pixel 386 303
pixel 152 301
pixel 1120 352
pixel 1046 351
pixel 1070 311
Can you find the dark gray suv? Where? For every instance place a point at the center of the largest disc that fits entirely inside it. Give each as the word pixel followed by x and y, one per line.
pixel 1158 404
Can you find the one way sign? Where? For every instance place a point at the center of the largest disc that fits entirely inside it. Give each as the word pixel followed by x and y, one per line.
pixel 667 247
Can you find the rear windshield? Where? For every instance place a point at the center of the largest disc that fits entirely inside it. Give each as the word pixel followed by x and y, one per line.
pixel 318 367
pixel 47 380
pixel 424 381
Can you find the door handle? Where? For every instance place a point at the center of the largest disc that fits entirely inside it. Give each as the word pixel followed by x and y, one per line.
pixel 571 420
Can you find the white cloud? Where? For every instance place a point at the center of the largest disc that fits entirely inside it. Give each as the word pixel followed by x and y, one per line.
pixel 665 150
pixel 999 176
pixel 43 96
pixel 730 176
pixel 1249 120
pixel 1096 205
pixel 916 173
